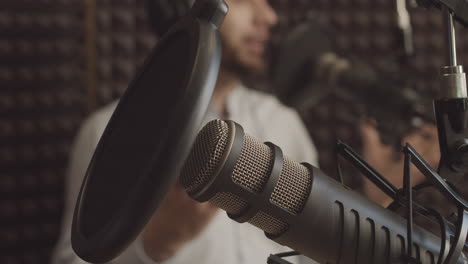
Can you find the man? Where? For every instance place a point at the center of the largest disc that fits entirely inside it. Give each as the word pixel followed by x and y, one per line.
pixel 385 160
pixel 182 230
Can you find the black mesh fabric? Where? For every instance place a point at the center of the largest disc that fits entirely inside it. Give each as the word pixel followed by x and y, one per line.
pixel 118 160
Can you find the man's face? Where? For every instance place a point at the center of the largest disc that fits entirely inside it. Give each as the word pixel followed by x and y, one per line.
pixel 245 34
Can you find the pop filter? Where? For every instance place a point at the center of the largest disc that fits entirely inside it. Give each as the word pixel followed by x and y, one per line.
pixel 149 136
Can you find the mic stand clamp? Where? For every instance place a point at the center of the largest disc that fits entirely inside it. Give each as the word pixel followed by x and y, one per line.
pixel 452 117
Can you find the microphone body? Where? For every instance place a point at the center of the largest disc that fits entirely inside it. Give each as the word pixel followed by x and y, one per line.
pixel 296 205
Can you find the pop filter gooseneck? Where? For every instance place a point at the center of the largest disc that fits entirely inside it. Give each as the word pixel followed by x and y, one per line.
pixel 149 136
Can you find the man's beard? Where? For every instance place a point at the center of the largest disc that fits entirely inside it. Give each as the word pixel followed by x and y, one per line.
pixel 232 62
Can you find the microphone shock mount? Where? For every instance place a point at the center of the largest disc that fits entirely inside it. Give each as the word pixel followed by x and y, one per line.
pixel 451 113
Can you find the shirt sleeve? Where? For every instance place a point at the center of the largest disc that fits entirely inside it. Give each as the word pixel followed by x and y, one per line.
pixel 266 118
pixel 291 135
pixel 305 148
pixel 80 155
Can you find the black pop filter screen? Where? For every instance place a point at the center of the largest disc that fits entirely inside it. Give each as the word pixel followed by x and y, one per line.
pixel 127 154
pixel 149 135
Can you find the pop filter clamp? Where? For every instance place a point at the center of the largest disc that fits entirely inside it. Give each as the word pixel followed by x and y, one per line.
pixel 451 113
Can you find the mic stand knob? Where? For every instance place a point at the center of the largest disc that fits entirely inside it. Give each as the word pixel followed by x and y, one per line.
pixel 454 81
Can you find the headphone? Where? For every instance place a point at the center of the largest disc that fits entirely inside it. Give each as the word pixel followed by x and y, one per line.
pixel 165 13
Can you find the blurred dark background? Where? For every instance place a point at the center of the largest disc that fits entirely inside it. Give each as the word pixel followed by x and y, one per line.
pixel 61 59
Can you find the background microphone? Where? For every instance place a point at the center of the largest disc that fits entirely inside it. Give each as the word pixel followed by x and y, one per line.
pixel 308 56
pixel 296 205
pixel 308 70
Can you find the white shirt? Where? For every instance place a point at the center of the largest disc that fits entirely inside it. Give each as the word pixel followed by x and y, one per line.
pixel 224 240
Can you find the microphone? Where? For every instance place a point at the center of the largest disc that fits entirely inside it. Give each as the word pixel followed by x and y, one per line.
pixel 296 205
pixel 307 56
pixel 397 108
pixel 307 64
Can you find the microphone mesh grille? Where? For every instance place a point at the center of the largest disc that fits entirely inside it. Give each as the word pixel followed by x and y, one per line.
pixel 268 223
pixel 253 167
pixel 205 156
pixel 293 187
pixel 251 171
pixel 229 202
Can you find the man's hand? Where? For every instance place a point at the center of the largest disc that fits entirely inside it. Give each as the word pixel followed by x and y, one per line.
pixel 389 163
pixel 178 220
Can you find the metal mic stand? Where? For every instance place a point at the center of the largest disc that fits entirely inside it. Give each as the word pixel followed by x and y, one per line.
pixel 452 113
